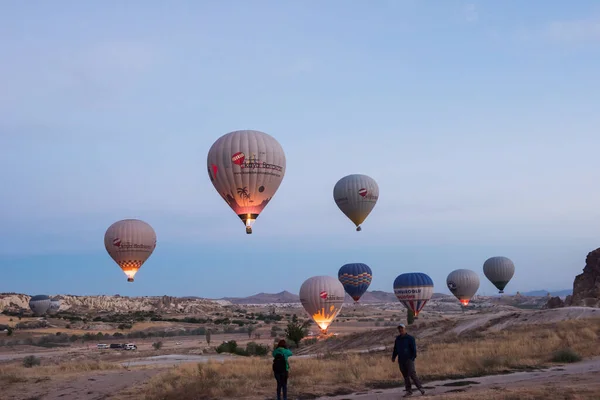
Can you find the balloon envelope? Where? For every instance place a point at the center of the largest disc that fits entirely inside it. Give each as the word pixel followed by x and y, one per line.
pixel 322 297
pixel 413 290
pixel 246 168
pixel 499 270
pixel 356 195
pixel 39 304
pixel 356 278
pixel 463 283
pixel 130 242
pixel 54 305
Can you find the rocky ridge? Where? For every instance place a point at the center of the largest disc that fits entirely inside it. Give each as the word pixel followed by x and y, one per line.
pixel 586 287
pixel 81 304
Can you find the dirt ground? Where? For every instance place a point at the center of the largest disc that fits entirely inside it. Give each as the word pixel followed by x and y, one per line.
pixel 585 374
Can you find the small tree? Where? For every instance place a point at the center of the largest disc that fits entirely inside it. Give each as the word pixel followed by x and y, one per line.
pixel 249 330
pixel 410 316
pixel 207 335
pixel 296 331
pixel 157 345
pixel 9 331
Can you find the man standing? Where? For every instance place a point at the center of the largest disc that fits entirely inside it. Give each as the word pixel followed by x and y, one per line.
pixel 405 349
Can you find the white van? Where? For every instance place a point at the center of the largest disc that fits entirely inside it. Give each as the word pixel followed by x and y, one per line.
pixel 102 346
pixel 130 346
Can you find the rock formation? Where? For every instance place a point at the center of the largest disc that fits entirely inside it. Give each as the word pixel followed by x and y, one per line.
pixel 554 302
pixel 83 304
pixel 586 287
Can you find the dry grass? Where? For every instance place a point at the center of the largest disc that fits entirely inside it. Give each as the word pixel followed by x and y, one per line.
pixel 17 373
pixel 447 357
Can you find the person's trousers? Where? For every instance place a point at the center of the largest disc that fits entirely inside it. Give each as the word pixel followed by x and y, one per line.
pixel 281 379
pixel 407 368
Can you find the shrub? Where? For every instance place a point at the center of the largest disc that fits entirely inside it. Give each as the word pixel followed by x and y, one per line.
pixel 565 356
pixel 157 345
pixel 31 361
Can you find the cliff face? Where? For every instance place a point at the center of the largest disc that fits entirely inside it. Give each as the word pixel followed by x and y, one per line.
pixel 85 304
pixel 586 287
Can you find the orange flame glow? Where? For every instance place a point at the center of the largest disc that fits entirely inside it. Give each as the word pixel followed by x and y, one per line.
pixel 465 302
pixel 324 319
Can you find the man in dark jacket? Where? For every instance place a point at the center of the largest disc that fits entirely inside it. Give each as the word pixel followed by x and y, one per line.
pixel 405 349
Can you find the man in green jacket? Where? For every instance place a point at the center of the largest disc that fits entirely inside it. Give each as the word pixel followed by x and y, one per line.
pixel 281 368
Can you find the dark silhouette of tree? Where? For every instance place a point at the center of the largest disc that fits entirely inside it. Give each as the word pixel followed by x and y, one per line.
pixel 296 331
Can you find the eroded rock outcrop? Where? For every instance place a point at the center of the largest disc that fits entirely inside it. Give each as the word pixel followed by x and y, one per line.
pixel 82 304
pixel 554 302
pixel 586 287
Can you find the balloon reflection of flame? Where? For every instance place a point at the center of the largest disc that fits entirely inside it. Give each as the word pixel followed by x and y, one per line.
pixel 324 319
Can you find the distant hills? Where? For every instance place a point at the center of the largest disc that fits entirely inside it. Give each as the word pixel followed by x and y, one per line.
pixel 537 293
pixel 375 296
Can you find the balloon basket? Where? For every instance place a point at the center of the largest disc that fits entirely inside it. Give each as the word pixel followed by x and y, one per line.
pixel 129 279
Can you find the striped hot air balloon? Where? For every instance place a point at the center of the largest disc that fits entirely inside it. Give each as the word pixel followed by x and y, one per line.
pixel 39 304
pixel 130 242
pixel 322 297
pixel 246 168
pixel 356 196
pixel 54 306
pixel 413 290
pixel 499 270
pixel 463 283
pixel 356 278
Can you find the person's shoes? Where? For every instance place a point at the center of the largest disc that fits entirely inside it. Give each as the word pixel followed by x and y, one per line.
pixel 408 394
pixel 422 392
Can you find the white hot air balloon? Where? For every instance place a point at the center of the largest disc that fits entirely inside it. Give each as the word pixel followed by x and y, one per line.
pixel 39 304
pixel 463 283
pixel 322 297
pixel 499 270
pixel 54 306
pixel 356 195
pixel 130 242
pixel 246 168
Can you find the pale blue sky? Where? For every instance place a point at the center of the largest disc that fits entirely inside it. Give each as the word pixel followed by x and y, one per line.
pixel 479 121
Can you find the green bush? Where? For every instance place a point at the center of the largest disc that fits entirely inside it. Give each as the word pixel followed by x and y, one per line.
pixel 157 345
pixel 565 356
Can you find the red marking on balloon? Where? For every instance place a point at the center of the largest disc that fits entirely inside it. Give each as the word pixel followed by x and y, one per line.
pixel 117 242
pixel 238 158
pixel 362 192
pixel 323 295
pixel 215 169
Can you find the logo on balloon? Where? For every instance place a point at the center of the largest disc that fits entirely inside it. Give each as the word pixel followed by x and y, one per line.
pixel 117 242
pixel 238 158
pixel 362 192
pixel 323 295
pixel 452 286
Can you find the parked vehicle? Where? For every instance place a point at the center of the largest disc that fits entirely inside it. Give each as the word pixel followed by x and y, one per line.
pixel 102 346
pixel 130 346
pixel 116 346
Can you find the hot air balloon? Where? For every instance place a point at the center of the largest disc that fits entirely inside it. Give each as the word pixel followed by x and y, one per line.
pixel 246 168
pixel 356 278
pixel 414 290
pixel 322 297
pixel 356 195
pixel 130 242
pixel 499 270
pixel 54 306
pixel 463 283
pixel 39 304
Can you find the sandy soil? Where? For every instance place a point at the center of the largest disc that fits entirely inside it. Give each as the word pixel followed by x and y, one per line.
pixel 586 373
